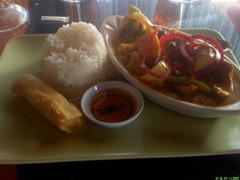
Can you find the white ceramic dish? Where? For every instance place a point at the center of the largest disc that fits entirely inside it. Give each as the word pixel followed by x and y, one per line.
pixel 108 27
pixel 87 98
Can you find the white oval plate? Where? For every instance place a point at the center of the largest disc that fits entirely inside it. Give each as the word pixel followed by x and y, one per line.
pixel 109 25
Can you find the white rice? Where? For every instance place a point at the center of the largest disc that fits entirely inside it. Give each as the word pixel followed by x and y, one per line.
pixel 76 58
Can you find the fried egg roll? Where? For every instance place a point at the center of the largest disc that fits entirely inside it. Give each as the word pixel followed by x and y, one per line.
pixel 50 103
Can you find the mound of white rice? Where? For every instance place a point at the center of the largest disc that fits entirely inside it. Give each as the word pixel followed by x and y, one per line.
pixel 75 59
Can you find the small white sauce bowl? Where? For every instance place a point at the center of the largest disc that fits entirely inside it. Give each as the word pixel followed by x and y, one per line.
pixel 87 102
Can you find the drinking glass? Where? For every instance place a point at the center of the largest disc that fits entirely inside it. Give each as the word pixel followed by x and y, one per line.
pixel 169 13
pixel 82 10
pixel 13 21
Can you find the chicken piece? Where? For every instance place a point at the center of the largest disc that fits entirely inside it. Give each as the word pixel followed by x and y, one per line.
pixel 125 50
pixel 134 64
pixel 223 79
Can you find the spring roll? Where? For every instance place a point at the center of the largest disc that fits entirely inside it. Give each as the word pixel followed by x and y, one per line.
pixel 50 103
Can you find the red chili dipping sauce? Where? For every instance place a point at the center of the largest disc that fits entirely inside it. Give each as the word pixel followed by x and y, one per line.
pixel 113 105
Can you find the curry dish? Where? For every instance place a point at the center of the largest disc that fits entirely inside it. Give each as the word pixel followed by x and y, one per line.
pixel 190 68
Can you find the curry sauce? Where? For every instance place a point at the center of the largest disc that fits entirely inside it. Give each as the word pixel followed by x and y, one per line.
pixel 113 105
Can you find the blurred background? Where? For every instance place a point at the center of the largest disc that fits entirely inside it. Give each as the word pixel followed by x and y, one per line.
pixel 220 15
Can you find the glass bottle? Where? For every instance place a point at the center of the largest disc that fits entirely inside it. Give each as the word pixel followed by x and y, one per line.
pixel 13 21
